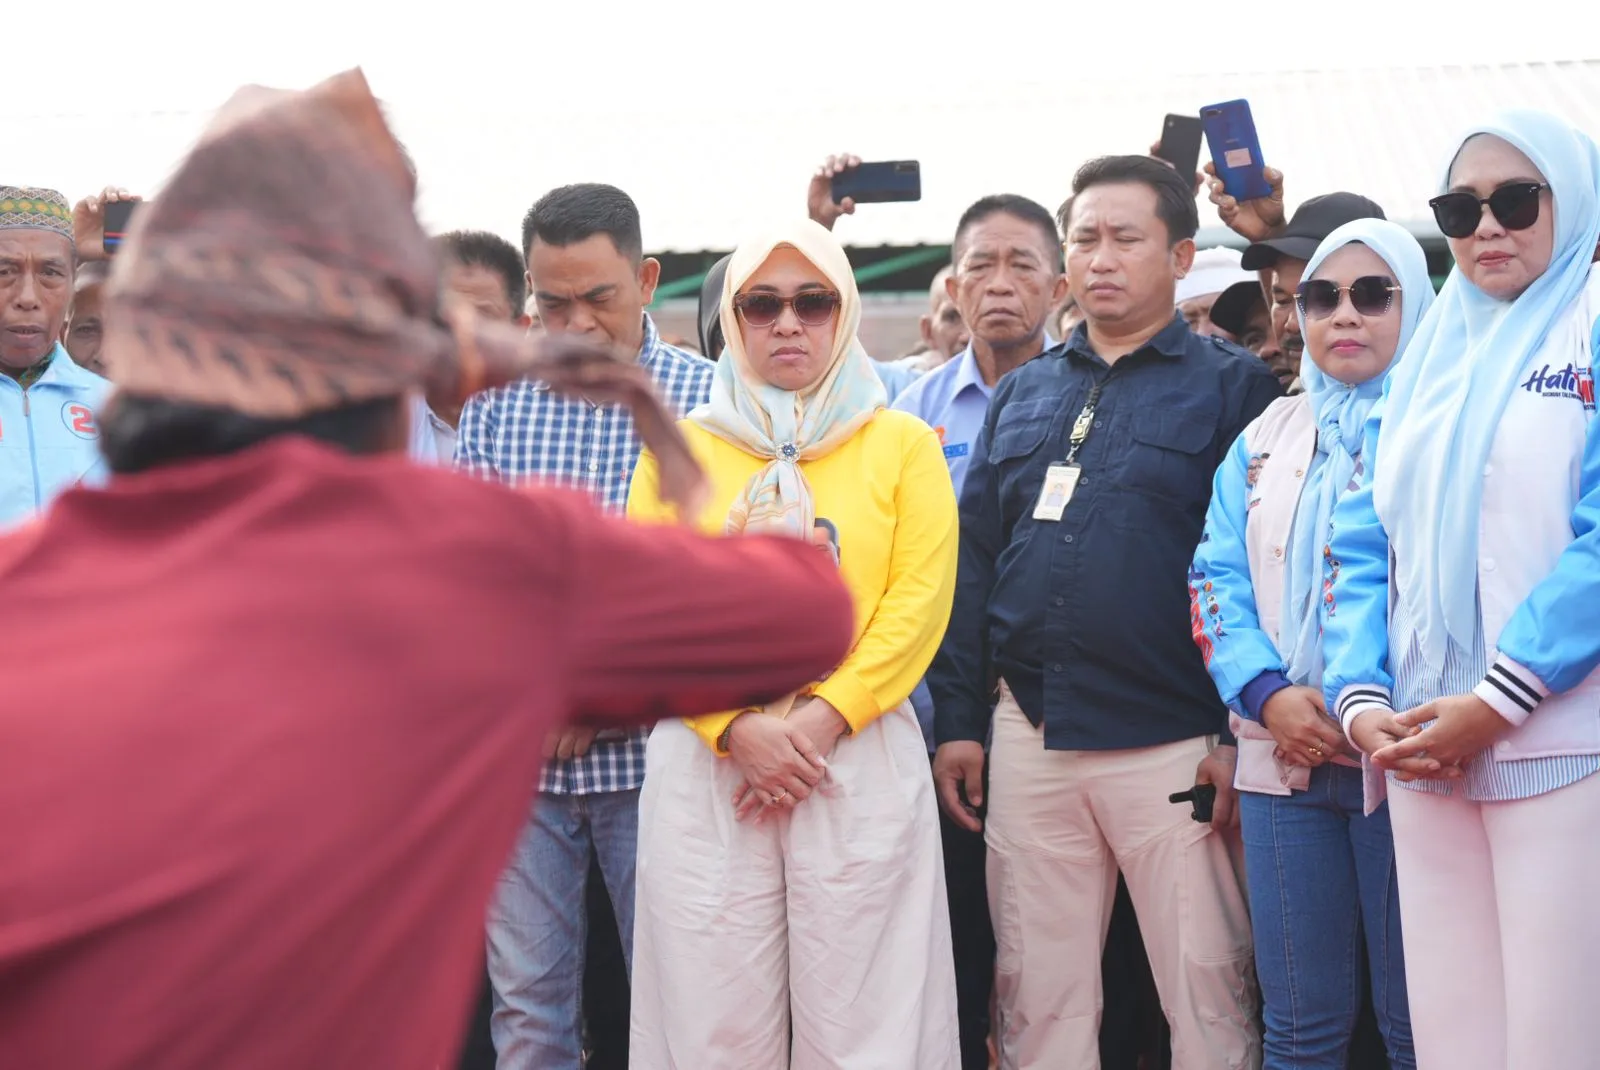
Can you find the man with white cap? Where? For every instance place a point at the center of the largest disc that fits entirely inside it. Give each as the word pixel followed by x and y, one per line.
pixel 1214 271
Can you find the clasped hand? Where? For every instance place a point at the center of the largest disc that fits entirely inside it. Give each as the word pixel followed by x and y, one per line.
pixel 782 759
pixel 1300 725
pixel 1458 727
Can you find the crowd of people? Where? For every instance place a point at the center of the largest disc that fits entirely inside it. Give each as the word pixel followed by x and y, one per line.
pixel 1184 658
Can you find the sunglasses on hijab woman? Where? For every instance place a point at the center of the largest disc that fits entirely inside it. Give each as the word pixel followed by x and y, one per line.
pixel 1370 295
pixel 1515 205
pixel 811 307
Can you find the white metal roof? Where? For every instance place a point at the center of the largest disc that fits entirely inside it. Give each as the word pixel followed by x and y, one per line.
pixel 1382 133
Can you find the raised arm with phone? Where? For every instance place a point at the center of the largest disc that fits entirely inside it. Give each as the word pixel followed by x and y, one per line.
pixel 1248 194
pixel 844 181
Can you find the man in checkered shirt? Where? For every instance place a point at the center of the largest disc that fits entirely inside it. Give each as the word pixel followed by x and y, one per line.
pixel 589 276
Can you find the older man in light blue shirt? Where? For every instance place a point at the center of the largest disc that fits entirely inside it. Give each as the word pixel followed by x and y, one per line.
pixel 1006 279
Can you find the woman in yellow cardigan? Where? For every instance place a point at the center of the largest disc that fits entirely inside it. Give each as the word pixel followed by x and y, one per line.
pixel 789 867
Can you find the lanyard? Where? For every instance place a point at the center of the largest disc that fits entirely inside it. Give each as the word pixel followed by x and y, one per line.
pixel 1081 426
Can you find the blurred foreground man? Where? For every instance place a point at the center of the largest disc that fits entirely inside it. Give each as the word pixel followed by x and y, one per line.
pixel 310 680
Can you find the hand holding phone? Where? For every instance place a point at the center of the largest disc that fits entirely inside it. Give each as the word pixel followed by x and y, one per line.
pixel 89 222
pixel 1235 149
pixel 821 204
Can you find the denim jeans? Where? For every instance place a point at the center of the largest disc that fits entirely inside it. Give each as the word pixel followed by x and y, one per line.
pixel 1320 876
pixel 538 923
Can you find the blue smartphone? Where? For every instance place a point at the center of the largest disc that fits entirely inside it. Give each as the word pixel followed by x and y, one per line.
pixel 1235 149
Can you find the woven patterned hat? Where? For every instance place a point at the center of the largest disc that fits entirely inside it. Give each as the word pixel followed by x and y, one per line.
pixel 282 271
pixel 36 209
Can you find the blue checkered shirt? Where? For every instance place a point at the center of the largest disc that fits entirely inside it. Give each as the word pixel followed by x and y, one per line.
pixel 525 432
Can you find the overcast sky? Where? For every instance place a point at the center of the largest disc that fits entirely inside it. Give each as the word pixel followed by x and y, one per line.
pixel 509 74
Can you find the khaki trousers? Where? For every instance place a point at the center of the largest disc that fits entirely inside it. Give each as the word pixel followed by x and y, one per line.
pixel 831 918
pixel 1060 825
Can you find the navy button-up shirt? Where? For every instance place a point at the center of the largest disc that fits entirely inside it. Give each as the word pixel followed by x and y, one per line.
pixel 1087 618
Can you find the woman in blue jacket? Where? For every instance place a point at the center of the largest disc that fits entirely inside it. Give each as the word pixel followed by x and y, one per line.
pixel 1468 599
pixel 1318 850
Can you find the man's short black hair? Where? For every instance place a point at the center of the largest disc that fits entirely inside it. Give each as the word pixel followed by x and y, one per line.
pixel 138 433
pixel 572 214
pixel 1013 205
pixel 1174 193
pixel 479 248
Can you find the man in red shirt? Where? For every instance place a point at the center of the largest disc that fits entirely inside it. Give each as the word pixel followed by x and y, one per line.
pixel 276 697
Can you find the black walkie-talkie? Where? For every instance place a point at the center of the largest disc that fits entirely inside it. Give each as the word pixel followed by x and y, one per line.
pixel 1204 797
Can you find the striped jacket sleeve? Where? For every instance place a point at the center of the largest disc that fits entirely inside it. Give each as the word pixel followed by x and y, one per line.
pixel 1551 643
pixel 1355 636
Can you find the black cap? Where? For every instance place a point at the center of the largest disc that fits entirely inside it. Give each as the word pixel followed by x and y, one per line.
pixel 1232 308
pixel 1311 222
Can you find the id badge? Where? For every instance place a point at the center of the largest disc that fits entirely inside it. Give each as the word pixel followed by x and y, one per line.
pixel 1060 480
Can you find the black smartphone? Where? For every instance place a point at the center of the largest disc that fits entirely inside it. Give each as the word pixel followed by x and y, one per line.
pixel 1203 796
pixel 878 183
pixel 1180 143
pixel 118 214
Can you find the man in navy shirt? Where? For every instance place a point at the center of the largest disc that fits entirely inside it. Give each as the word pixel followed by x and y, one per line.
pixel 1083 503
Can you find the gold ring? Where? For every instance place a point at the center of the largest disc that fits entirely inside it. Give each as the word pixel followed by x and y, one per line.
pixel 778 798
pixel 1316 748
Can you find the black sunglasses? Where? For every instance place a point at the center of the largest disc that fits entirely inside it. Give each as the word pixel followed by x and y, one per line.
pixel 812 308
pixel 1516 206
pixel 1370 295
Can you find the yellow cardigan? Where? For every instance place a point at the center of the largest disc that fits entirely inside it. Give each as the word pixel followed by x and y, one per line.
pixel 888 492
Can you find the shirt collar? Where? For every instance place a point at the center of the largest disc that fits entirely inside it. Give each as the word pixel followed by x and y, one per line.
pixel 1171 342
pixel 967 372
pixel 36 371
pixel 650 347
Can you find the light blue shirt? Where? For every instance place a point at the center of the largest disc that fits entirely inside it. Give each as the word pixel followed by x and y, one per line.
pixel 953 400
pixel 895 377
pixel 49 437
pixel 433 442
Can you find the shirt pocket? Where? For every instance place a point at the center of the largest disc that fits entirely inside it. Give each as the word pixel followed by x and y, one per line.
pixel 1170 456
pixel 1017 452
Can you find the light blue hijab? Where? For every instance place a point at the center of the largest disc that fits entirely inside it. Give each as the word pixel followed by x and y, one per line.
pixel 1443 406
pixel 1341 412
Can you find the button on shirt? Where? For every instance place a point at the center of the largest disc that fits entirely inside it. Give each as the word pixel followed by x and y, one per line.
pixel 526 432
pixel 1087 618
